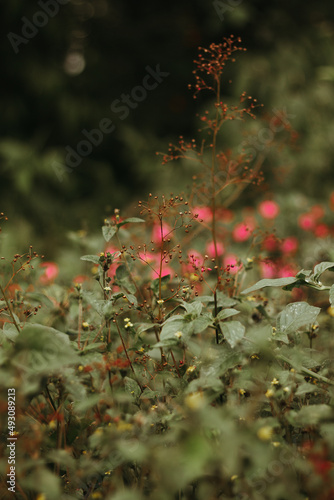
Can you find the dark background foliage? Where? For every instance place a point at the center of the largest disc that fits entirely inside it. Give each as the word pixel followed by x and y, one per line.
pixel 66 77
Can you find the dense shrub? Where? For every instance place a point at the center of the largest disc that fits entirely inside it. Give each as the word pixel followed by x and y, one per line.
pixel 163 371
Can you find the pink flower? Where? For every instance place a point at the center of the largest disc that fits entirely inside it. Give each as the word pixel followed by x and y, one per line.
pixel 321 231
pixel 210 249
pixel 268 269
pixel 269 209
pixel 317 211
pixel 80 279
pixel 111 249
pixel 270 243
pixel 156 232
pixel 289 245
pixel 225 215
pixel 204 213
pixel 112 269
pixel 50 273
pixel 306 221
pixel 153 261
pixel 286 271
pixel 242 231
pixel 231 261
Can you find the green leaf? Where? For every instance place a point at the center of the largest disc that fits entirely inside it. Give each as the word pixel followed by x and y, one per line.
pixel 131 298
pixel 143 327
pixel 331 295
pixel 193 308
pixel 10 331
pixel 166 343
pixel 155 283
pixel 122 273
pixel 173 325
pixel 132 387
pixel 204 298
pixel 271 282
pixel 201 323
pixel 108 232
pixel 233 332
pixel 321 268
pixel 93 347
pixel 149 394
pixel 304 273
pixel 312 415
pixel 225 301
pixel 296 315
pixel 41 480
pixel 281 337
pixel 91 258
pixel 108 310
pixel 41 349
pixel 39 297
pixel 123 278
pixel 226 313
pixel 129 219
pixel 306 388
pixel 87 403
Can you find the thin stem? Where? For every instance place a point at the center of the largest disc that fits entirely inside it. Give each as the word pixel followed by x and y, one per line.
pixel 213 171
pixel 10 310
pixel 126 354
pixel 79 321
pixel 176 368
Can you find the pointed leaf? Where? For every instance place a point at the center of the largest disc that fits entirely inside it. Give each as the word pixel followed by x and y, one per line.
pixel 201 323
pixel 129 219
pixel 122 273
pixel 321 268
pixel 270 282
pixel 172 326
pixel 193 308
pixel 225 301
pixel 233 332
pixel 226 313
pixel 108 232
pixel 331 295
pixel 132 387
pixel 295 316
pixel 91 258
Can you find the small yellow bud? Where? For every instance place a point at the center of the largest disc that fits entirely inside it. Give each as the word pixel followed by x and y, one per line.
pixel 190 369
pixel 265 433
pixel 330 311
pixel 195 400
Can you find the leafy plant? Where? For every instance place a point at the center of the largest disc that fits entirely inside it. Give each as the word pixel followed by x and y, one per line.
pixel 155 375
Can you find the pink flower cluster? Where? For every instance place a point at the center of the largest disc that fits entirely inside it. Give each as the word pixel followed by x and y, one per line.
pixel 310 221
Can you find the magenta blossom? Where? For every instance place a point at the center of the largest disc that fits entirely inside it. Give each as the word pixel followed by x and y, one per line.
pixel 269 209
pixel 51 271
pixel 210 249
